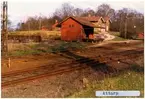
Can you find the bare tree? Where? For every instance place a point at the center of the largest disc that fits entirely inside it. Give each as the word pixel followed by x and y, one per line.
pixel 78 12
pixel 65 11
pixel 128 22
pixel 88 12
pixel 123 20
pixel 105 10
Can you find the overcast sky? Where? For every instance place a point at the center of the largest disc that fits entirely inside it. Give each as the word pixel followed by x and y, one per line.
pixel 19 10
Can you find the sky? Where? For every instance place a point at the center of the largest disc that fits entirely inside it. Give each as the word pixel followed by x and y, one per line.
pixel 20 10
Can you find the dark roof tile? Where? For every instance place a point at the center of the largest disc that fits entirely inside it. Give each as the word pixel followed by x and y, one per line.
pixel 92 18
pixel 80 20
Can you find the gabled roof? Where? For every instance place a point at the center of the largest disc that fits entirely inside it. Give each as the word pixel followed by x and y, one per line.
pixel 94 18
pixel 80 20
pixel 107 18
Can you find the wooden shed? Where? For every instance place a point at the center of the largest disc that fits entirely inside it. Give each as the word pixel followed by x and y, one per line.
pixel 76 28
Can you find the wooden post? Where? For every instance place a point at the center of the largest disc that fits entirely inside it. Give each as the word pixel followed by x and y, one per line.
pixel 9 63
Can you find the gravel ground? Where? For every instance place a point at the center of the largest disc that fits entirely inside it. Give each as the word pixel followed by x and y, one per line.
pixel 58 86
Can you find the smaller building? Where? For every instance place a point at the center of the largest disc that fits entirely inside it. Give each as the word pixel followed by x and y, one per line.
pixel 107 23
pixel 102 24
pixel 99 22
pixel 54 26
pixel 141 35
pixel 44 28
pixel 76 28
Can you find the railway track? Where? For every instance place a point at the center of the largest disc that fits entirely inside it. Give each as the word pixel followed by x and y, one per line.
pixel 17 81
pixel 63 68
pixel 17 72
pixel 43 71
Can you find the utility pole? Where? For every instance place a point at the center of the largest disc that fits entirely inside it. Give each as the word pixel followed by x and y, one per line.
pixel 40 22
pixel 4 36
pixel 28 26
pixel 134 23
pixel 120 24
pixel 125 35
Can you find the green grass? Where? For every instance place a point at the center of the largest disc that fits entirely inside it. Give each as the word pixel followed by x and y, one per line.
pixel 39 48
pixel 128 80
pixel 68 45
pixel 117 36
pixel 114 33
